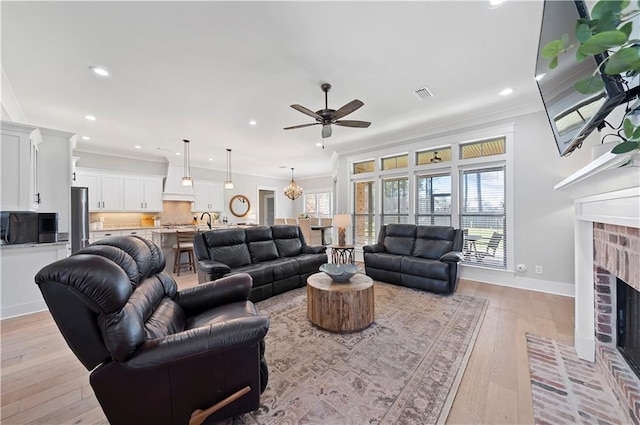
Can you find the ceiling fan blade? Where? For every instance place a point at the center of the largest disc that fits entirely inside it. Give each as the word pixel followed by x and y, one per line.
pixel 300 126
pixel 351 123
pixel 347 109
pixel 306 111
pixel 326 131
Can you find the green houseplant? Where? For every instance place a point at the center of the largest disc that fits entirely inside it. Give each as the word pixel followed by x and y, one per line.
pixel 609 30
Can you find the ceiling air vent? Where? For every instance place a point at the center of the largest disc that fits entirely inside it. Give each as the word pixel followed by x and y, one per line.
pixel 423 93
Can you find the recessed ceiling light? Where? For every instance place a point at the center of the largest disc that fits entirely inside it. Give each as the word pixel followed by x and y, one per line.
pixel 540 76
pixel 210 159
pixel 86 138
pixel 252 122
pixel 90 117
pixel 178 153
pixel 138 147
pixel 506 92
pixel 496 3
pixel 319 144
pixel 99 71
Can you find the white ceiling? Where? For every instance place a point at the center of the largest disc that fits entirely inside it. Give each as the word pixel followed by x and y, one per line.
pixel 203 70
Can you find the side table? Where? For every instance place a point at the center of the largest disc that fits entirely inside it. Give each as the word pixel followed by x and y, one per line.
pixel 342 254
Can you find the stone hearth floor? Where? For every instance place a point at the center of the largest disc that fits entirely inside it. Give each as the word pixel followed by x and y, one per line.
pixel 567 389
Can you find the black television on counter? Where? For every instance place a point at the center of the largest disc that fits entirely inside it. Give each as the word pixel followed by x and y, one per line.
pixel 572 115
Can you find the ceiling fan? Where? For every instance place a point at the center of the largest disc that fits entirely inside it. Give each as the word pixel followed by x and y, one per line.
pixel 326 116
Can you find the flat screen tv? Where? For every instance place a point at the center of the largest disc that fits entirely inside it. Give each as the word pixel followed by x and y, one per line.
pixel 572 115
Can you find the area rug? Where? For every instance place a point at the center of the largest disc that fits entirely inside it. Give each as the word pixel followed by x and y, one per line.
pixel 567 389
pixel 404 369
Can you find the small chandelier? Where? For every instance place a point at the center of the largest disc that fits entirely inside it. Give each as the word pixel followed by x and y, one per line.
pixel 228 184
pixel 293 191
pixel 186 180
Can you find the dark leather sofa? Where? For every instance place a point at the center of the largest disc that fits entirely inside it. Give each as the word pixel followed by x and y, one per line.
pixel 157 354
pixel 423 257
pixel 276 257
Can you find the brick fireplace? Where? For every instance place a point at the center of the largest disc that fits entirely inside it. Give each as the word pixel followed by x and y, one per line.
pixel 606 246
pixel 616 256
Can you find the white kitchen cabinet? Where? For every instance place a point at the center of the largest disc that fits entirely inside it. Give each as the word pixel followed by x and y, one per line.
pixel 19 159
pixel 105 190
pixel 18 267
pixel 101 234
pixel 54 175
pixel 209 196
pixel 142 193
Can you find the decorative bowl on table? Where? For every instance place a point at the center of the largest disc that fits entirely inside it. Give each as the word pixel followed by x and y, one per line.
pixel 339 272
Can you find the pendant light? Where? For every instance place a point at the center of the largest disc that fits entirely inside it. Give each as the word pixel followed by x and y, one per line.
pixel 186 180
pixel 228 184
pixel 293 191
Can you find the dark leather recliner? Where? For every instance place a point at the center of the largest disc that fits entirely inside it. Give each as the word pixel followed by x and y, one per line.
pixel 157 355
pixel 423 257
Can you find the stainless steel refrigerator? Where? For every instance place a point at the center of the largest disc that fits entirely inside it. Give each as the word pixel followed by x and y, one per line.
pixel 79 218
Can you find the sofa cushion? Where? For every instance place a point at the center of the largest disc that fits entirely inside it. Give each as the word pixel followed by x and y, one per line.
pixel 309 263
pixel 287 240
pixel 284 268
pixel 384 261
pixel 433 269
pixel 261 244
pixel 262 251
pixel 433 241
pixel 262 274
pixel 399 238
pixel 228 246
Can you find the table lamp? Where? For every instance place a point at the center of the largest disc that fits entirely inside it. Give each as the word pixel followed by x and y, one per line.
pixel 341 221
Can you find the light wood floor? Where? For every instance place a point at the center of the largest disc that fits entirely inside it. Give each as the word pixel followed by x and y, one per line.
pixel 42 382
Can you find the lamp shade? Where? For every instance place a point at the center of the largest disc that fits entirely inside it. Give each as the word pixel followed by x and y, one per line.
pixel 342 220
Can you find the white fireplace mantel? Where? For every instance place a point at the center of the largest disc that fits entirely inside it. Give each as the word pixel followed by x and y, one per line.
pixel 603 192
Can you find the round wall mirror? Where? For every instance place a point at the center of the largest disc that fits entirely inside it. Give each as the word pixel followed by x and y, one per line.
pixel 239 205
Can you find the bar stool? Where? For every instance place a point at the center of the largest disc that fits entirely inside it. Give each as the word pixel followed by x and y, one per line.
pixel 184 244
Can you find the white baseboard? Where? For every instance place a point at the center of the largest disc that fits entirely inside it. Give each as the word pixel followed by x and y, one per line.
pixel 505 278
pixel 22 309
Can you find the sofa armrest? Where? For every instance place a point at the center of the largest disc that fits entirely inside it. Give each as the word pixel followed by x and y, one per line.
pixel 213 269
pixel 222 291
pixel 183 347
pixel 308 249
pixel 374 248
pixel 452 257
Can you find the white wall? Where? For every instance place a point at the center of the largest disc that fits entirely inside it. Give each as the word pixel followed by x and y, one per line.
pixel 543 217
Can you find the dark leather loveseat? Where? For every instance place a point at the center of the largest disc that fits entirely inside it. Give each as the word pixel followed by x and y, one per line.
pixel 423 257
pixel 157 355
pixel 276 257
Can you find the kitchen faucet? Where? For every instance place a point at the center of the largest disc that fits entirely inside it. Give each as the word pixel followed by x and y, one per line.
pixel 208 219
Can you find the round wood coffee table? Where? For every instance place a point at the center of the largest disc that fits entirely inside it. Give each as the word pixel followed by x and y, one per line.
pixel 340 307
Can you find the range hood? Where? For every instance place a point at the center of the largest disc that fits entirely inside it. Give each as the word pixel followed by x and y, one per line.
pixel 173 188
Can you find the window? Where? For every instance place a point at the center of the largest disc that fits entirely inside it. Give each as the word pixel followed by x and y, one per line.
pixel 483 216
pixel 395 200
pixel 483 148
pixel 433 200
pixel 433 156
pixel 393 162
pixel 364 167
pixel 318 204
pixel 461 180
pixel 364 229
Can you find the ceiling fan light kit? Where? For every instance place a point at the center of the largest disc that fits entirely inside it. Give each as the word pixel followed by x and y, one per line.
pixel 326 116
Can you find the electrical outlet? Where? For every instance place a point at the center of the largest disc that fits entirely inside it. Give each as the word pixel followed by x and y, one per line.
pixel 539 270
